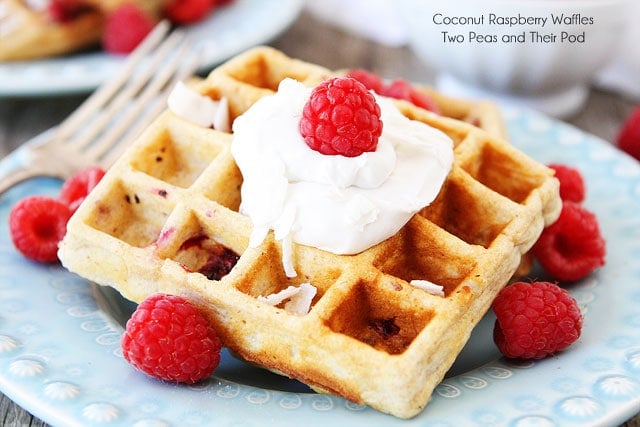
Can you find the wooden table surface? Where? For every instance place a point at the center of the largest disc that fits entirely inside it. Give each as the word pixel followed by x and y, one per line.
pixel 308 39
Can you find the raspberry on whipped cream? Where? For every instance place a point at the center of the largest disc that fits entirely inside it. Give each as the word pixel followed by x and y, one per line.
pixel 339 204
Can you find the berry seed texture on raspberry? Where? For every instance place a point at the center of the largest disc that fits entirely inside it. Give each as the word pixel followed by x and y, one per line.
pixel 571 248
pixel 36 225
pixel 341 117
pixel 168 338
pixel 535 320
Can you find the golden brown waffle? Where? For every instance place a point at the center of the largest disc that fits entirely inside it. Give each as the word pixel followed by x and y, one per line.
pixel 483 114
pixel 27 31
pixel 172 201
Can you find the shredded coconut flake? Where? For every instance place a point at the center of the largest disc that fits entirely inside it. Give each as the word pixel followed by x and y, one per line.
pixel 287 256
pixel 221 120
pixel 299 298
pixel 9 22
pixel 38 4
pixel 202 110
pixel 429 287
pixel 278 297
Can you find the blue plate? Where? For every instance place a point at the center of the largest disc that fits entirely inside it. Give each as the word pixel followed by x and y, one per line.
pixel 230 30
pixel 60 355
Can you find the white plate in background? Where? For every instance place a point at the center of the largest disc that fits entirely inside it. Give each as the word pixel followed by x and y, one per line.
pixel 230 30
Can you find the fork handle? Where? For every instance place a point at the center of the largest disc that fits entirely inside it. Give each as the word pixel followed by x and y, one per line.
pixel 13 167
pixel 13 176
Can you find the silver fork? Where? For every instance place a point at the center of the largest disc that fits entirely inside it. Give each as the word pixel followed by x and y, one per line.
pixel 98 131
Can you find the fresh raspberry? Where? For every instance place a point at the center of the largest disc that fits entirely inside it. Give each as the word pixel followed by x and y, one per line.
pixel 401 89
pixel 370 80
pixel 397 89
pixel 535 320
pixel 37 224
pixel 341 117
pixel 75 189
pixel 67 10
pixel 168 338
pixel 628 139
pixel 572 247
pixel 572 186
pixel 188 11
pixel 125 28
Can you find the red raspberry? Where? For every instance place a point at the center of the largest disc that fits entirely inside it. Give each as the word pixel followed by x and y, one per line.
pixel 628 139
pixel 368 79
pixel 75 189
pixel 397 89
pixel 37 224
pixel 188 11
pixel 401 89
pixel 341 117
pixel 125 28
pixel 572 247
pixel 535 320
pixel 572 186
pixel 168 338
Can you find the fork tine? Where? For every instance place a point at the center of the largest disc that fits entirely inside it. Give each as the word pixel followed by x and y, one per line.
pixel 113 152
pixel 187 69
pixel 102 118
pixel 107 90
pixel 150 102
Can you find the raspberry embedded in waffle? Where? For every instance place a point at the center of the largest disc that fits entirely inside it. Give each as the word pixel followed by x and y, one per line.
pixel 369 335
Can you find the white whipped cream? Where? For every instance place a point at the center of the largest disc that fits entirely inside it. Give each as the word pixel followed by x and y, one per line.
pixel 339 204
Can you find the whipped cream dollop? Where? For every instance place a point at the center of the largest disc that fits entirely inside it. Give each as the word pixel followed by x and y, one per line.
pixel 339 204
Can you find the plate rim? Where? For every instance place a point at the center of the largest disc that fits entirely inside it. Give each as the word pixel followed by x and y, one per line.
pixel 57 84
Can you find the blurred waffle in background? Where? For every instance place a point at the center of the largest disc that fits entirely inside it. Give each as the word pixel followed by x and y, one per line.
pixel 36 29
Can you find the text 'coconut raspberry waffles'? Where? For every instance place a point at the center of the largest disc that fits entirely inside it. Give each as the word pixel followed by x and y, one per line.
pixel 337 261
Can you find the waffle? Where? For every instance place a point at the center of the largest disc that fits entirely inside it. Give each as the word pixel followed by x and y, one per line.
pixel 27 31
pixel 371 337
pixel 481 113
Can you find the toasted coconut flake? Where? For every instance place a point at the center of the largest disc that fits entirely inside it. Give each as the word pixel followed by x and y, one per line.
pixel 429 287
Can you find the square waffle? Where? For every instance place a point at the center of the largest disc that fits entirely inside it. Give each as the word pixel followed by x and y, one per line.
pixel 168 208
pixel 27 31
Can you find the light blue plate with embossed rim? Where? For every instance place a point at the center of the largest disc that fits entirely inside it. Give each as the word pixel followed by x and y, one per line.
pixel 230 30
pixel 60 358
